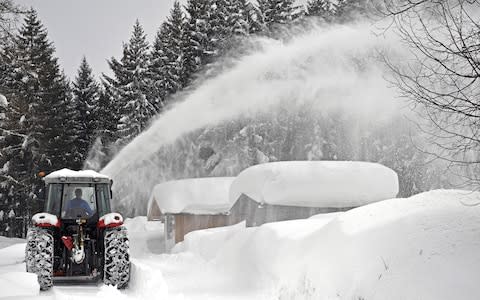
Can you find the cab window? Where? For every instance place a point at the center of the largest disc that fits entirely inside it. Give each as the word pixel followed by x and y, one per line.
pixel 79 201
pixel 54 198
pixel 103 198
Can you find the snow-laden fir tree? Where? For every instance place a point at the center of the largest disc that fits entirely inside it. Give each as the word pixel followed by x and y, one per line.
pixel 131 87
pixel 58 125
pixel 255 19
pixel 325 9
pixel 349 9
pixel 8 13
pixel 103 147
pixel 36 133
pixel 218 15
pixel 167 55
pixel 85 99
pixel 198 40
pixel 278 12
pixel 237 17
pixel 229 23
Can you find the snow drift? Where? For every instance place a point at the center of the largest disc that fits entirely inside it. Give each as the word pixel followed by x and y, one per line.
pixel 423 247
pixel 316 183
pixel 14 281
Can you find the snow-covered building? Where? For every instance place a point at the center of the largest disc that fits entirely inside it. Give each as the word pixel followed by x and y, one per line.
pixel 290 190
pixel 191 204
pixel 268 192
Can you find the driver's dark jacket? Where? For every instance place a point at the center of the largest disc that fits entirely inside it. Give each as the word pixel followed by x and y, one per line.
pixel 79 203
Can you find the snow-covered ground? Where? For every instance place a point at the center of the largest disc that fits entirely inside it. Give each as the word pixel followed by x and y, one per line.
pixel 423 247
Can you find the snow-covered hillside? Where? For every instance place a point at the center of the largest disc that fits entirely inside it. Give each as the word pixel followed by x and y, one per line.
pixel 423 247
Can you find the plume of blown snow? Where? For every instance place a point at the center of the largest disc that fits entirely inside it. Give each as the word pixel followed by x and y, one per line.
pixel 335 67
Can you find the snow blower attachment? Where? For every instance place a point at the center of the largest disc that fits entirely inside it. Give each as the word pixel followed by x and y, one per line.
pixel 78 238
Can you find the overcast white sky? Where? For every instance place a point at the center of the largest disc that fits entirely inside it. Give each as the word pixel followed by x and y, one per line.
pixel 96 28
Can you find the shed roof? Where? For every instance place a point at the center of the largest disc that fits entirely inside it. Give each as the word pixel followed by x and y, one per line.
pixel 334 184
pixel 203 196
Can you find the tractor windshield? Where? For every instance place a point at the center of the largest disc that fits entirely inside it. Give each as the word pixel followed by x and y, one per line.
pixel 78 200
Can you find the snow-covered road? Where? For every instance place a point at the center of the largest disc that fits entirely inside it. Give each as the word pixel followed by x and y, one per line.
pixel 423 247
pixel 154 275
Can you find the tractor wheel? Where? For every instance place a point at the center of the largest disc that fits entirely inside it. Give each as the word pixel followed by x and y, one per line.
pixel 39 256
pixel 116 270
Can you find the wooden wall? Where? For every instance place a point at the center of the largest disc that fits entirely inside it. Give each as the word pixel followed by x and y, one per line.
pixel 245 209
pixel 185 223
pixel 256 214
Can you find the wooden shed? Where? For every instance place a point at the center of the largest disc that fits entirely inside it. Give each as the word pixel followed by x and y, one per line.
pixel 268 192
pixel 289 190
pixel 191 204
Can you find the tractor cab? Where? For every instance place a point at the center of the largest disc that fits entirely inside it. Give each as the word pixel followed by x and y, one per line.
pixel 73 195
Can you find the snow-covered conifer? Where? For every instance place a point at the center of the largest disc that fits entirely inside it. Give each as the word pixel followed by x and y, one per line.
pixel 348 9
pixel 278 12
pixel 198 42
pixel 167 53
pixel 131 87
pixel 238 16
pixel 325 9
pixel 85 99
pixel 35 132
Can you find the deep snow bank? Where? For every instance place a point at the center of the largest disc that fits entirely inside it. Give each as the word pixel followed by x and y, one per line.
pixel 14 281
pixel 423 247
pixel 5 242
pixel 145 237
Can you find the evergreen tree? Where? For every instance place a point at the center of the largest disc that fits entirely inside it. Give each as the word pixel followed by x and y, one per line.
pixel 107 119
pixel 348 9
pixel 237 17
pixel 167 52
pixel 218 27
pixel 36 135
pixel 103 146
pixel 278 12
pixel 57 124
pixel 8 13
pixel 255 19
pixel 322 8
pixel 198 43
pixel 85 100
pixel 131 87
pixel 228 21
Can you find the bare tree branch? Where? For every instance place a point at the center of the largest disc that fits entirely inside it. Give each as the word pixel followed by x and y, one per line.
pixel 442 81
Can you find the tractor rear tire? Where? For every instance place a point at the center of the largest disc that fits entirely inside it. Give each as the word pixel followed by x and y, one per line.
pixel 117 258
pixel 39 256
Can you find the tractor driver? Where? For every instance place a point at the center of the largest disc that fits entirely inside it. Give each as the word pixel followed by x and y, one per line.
pixel 79 203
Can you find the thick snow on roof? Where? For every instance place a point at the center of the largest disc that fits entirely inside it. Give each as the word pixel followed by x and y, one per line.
pixel 75 174
pixel 195 195
pixel 316 183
